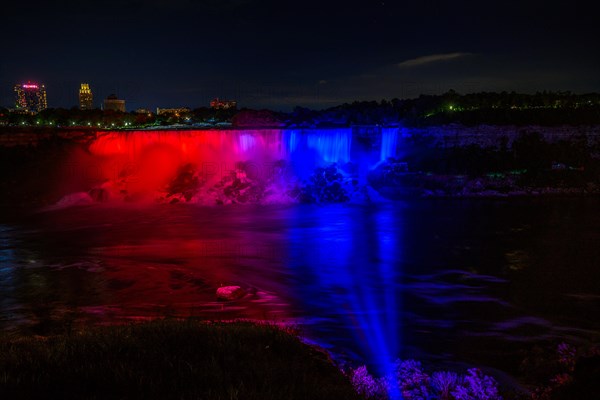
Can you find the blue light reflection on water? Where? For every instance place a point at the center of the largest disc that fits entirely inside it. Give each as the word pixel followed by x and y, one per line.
pixel 353 272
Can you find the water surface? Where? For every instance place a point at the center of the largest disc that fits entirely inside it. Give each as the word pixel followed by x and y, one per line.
pixel 450 282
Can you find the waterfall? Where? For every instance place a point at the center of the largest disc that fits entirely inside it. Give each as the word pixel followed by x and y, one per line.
pixel 327 145
pixel 321 146
pixel 332 145
pixel 146 162
pixel 389 143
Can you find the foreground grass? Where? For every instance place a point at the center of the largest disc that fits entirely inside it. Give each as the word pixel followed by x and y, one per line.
pixel 169 359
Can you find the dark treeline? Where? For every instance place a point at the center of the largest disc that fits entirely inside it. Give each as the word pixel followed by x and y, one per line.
pixel 542 108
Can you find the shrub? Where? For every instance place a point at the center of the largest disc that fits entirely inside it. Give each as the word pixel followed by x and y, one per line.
pixel 477 386
pixel 367 386
pixel 413 381
pixel 567 356
pixel 444 383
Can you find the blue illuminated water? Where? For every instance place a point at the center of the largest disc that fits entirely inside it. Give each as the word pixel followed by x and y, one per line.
pixel 453 283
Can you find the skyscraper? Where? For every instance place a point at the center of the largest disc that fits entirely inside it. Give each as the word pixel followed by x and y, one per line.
pixel 86 98
pixel 30 97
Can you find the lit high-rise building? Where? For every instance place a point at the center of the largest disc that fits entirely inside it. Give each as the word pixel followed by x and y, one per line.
pixel 30 97
pixel 86 98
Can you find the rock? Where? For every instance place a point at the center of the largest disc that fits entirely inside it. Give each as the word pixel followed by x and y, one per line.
pixel 230 292
pixel 99 195
pixel 75 199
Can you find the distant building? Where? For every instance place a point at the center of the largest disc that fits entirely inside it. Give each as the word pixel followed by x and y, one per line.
pixel 112 102
pixel 30 97
pixel 86 98
pixel 174 111
pixel 223 104
pixel 143 111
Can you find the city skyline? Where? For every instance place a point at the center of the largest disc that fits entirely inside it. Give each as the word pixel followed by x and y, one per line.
pixel 32 97
pixel 267 54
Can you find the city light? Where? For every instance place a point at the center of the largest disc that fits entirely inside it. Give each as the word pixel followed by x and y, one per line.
pixel 30 97
pixel 85 97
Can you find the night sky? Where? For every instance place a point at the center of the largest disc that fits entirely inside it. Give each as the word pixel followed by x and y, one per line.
pixel 278 54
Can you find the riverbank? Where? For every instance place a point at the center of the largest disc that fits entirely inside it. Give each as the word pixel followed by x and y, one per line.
pixel 499 185
pixel 191 359
pixel 169 359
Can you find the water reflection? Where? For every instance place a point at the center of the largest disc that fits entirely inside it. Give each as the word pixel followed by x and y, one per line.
pixel 446 282
pixel 105 264
pixel 8 285
pixel 346 263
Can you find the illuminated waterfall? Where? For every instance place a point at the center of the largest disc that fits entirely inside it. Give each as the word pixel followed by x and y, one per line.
pixel 144 163
pixel 330 145
pixel 389 143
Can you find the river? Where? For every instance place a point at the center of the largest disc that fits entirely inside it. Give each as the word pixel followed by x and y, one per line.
pixel 451 282
pixel 471 282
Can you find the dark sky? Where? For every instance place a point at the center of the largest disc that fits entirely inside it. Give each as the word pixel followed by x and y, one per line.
pixel 281 54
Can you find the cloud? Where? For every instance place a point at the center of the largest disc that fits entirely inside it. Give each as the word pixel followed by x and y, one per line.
pixel 433 58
